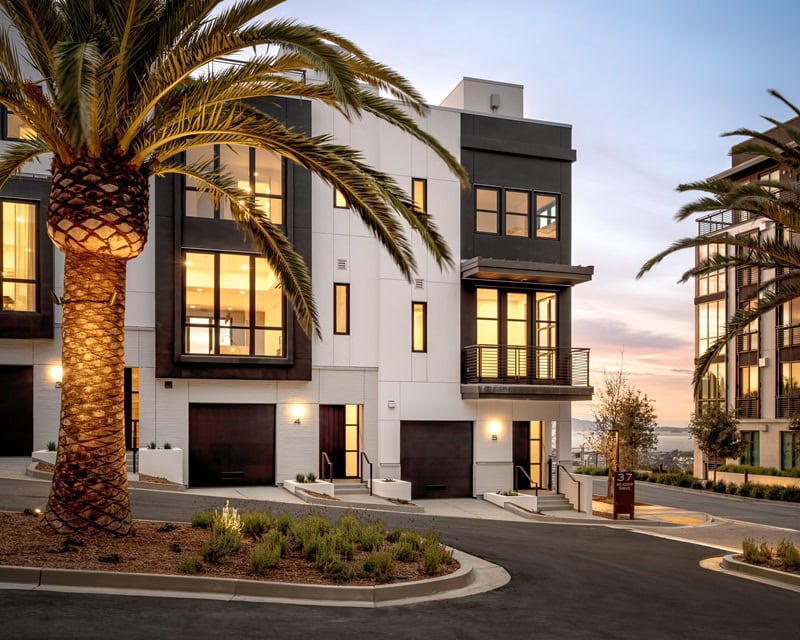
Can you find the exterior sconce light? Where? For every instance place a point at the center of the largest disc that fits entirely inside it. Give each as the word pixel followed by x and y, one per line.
pixel 297 412
pixel 56 373
pixel 494 429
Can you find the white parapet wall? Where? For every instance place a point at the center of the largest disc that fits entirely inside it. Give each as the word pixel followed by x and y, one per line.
pixel 318 486
pixel 162 463
pixel 577 489
pixel 396 489
pixel 43 455
pixel 524 501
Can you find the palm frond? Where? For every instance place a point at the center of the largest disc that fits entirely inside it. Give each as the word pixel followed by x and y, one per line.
pixel 16 154
pixel 77 67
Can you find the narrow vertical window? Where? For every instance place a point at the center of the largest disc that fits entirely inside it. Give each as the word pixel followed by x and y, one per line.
pixel 517 334
pixel 546 216
pixel 18 257
pixel 487 331
pixel 419 194
pixel 341 309
pixel 339 200
pixel 546 329
pixel 419 327
pixel 518 210
pixel 352 415
pixel 487 207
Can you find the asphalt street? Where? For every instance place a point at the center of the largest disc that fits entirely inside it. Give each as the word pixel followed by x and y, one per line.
pixel 568 581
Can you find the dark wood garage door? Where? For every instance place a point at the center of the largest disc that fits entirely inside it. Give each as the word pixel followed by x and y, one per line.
pixel 436 457
pixel 16 411
pixel 231 444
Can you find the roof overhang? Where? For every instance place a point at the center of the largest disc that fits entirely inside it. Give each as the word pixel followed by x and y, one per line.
pixel 524 271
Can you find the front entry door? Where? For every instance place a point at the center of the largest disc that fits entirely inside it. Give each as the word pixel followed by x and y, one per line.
pixel 339 437
pixel 527 452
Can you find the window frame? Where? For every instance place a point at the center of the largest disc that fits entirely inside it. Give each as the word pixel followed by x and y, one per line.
pixel 529 196
pixel 215 326
pixel 502 214
pixel 252 173
pixel 424 307
pixel 36 281
pixel 556 218
pixel 344 286
pixel 339 194
pixel 497 212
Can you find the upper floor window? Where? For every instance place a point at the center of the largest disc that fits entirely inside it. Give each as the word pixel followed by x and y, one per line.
pixel 339 200
pixel 256 172
pixel 546 216
pixel 710 324
pixel 510 214
pixel 714 281
pixel 341 309
pixel 712 386
pixel 771 176
pixel 419 327
pixel 233 306
pixel 18 258
pixel 419 194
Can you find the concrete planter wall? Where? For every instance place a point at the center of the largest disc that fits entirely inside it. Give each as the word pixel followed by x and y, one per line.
pixel 531 503
pixel 397 489
pixel 43 455
pixel 319 486
pixel 769 481
pixel 162 463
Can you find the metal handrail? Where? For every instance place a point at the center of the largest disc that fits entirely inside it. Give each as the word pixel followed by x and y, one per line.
pixel 571 477
pixel 366 457
pixel 136 460
pixel 325 459
pixel 536 486
pixel 508 364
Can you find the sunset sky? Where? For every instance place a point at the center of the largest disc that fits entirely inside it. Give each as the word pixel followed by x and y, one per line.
pixel 647 87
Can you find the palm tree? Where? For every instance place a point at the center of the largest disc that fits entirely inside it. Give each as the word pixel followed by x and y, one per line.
pixel 119 92
pixel 777 257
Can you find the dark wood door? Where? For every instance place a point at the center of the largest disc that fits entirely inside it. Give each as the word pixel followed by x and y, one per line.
pixel 521 453
pixel 231 444
pixel 16 409
pixel 436 457
pixel 331 438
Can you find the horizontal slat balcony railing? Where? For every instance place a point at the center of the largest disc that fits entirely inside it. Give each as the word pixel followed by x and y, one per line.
pixel 503 364
pixel 788 335
pixel 721 220
pixel 747 342
pixel 747 407
pixel 787 406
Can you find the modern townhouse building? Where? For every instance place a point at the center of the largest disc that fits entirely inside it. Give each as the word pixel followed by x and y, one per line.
pixel 460 382
pixel 758 374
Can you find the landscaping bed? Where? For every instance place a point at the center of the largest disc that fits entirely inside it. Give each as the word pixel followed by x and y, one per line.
pixel 308 551
pixel 784 557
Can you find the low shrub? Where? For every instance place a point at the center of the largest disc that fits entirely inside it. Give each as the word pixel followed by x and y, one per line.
pixel 167 445
pixel 755 553
pixel 284 523
pixel 791 494
pixel 394 535
pixel 405 552
pixel 350 526
pixel 761 471
pixel 774 492
pixel 221 544
pixel 267 554
pixel 758 491
pixel 435 554
pixel 720 487
pixel 311 477
pixel 191 564
pixel 227 520
pixel 789 554
pixel 202 519
pixel 591 471
pixel 744 489
pixel 256 523
pixel 372 536
pixel 51 446
pixel 300 477
pixel 380 566
pixel 309 534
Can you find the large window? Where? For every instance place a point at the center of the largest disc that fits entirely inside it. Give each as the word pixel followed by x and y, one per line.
pixel 790 449
pixel 713 282
pixel 233 306
pixel 18 259
pixel 710 324
pixel 546 216
pixel 750 453
pixel 524 325
pixel 419 327
pixel 513 218
pixel 712 386
pixel 789 329
pixel 257 172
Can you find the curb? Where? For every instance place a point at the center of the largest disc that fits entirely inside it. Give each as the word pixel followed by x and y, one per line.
pixel 473 576
pixel 730 563
pixel 603 522
pixel 347 504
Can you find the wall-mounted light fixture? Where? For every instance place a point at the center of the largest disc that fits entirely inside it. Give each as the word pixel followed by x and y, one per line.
pixel 56 373
pixel 297 411
pixel 494 429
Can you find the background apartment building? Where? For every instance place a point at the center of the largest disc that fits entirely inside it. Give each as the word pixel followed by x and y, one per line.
pixel 455 381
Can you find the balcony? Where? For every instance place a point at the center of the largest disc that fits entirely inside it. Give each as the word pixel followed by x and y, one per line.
pixel 721 220
pixel 787 406
pixel 788 335
pixel 747 407
pixel 539 373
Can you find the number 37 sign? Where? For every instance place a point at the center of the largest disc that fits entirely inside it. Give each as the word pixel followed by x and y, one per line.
pixel 624 490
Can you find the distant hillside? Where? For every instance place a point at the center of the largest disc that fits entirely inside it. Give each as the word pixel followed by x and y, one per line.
pixel 581 426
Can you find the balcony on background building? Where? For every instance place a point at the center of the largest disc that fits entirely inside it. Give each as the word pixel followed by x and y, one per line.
pixel 721 220
pixel 788 335
pixel 747 407
pixel 787 406
pixel 540 373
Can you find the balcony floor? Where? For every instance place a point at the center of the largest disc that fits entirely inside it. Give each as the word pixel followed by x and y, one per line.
pixel 525 391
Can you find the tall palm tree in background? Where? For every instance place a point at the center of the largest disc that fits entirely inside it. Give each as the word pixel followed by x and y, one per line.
pixel 118 95
pixel 778 255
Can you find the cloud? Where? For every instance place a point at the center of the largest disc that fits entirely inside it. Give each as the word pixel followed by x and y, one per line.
pixel 614 334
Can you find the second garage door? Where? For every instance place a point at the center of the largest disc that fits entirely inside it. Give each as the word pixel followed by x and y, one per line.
pixel 231 444
pixel 436 457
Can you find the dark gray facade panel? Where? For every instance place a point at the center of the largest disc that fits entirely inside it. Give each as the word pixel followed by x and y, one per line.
pixel 176 233
pixel 26 325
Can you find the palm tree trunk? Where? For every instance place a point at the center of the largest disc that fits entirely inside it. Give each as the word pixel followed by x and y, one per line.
pixel 90 483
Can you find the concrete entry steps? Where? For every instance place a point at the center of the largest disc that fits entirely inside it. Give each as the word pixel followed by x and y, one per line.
pixel 553 502
pixel 349 487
